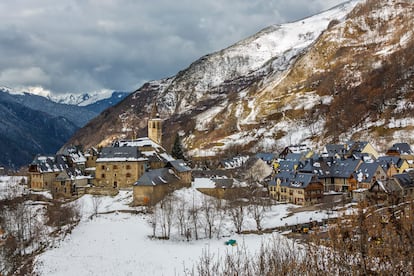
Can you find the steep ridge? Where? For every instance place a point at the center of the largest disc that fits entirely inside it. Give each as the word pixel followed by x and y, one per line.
pixel 331 76
pixel 25 132
pixel 32 124
pixel 78 115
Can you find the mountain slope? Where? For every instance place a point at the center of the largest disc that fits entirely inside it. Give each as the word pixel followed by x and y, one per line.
pixel 332 76
pixel 32 124
pixel 25 132
pixel 78 115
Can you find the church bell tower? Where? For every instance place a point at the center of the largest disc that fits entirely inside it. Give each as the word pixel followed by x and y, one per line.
pixel 155 126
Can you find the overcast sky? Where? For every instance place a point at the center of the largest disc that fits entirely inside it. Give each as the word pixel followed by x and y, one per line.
pixel 89 45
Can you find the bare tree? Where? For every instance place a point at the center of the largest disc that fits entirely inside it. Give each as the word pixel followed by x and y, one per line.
pixel 96 204
pixel 181 216
pixel 166 215
pixel 154 220
pixel 194 212
pixel 210 214
pixel 257 211
pixel 221 214
pixel 237 213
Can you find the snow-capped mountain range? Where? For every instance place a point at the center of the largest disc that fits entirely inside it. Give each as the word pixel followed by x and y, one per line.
pixel 346 73
pixel 84 99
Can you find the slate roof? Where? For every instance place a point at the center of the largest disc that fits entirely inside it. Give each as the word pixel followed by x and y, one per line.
pixel 115 154
pixel 389 186
pixel 338 168
pixel 74 153
pixel 57 163
pixel 295 180
pixel 140 142
pixel 366 172
pixel 179 165
pixel 307 167
pixel 386 161
pixel 357 146
pixel 295 157
pixel 406 180
pixel 157 177
pixel 148 149
pixel 334 149
pixel 287 166
pixel 402 148
pixel 265 156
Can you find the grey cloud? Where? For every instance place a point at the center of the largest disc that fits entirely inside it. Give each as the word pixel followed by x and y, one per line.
pixel 79 46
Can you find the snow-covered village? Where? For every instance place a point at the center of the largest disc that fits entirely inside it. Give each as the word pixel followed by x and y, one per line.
pixel 217 138
pixel 111 210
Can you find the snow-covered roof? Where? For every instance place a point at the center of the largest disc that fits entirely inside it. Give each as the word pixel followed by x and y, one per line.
pixel 295 180
pixel 46 163
pixel 366 172
pixel 402 148
pixel 179 165
pixel 206 183
pixel 120 154
pixel 140 142
pixel 235 162
pixel 74 153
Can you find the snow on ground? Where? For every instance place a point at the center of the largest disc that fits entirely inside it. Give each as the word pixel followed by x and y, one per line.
pixel 10 186
pixel 119 243
pixel 105 204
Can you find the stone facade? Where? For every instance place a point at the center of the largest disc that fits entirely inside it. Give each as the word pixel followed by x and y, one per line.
pixel 118 174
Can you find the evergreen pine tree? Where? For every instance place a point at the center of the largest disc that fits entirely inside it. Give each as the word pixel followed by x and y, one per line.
pixel 177 150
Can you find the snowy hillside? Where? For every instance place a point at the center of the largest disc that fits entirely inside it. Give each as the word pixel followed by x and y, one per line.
pixel 301 82
pixel 119 244
pixel 278 45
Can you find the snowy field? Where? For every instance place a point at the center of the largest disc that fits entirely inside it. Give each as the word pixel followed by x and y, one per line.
pixel 119 244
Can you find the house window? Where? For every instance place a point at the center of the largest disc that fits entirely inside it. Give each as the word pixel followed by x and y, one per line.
pixel 103 175
pixel 128 175
pixel 103 167
pixel 115 167
pixel 128 167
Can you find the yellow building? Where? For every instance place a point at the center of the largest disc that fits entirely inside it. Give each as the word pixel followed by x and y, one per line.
pixel 67 183
pixel 361 147
pixel 298 188
pixel 119 167
pixel 44 169
pixel 393 165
